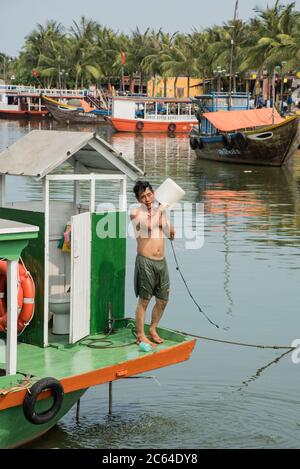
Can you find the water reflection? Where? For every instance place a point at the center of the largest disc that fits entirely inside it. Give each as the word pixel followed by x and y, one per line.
pixel 263 368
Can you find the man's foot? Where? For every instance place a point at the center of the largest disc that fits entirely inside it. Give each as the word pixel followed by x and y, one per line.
pixel 155 337
pixel 143 338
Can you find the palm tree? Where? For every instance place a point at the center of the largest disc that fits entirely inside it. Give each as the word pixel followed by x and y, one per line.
pixel 84 50
pixel 139 47
pixel 40 51
pixel 160 42
pixel 272 35
pixel 180 60
pixel 109 46
pixel 5 66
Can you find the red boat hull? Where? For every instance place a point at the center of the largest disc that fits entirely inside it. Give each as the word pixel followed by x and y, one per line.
pixel 7 114
pixel 146 126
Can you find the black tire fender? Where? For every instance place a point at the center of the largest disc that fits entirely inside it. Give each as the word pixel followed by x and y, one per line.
pixel 227 141
pixel 172 127
pixel 241 141
pixel 31 398
pixel 193 143
pixel 139 125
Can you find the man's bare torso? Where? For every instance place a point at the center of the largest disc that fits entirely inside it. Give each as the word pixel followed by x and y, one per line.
pixel 148 226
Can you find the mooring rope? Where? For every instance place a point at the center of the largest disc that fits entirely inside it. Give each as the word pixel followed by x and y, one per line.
pixel 241 344
pixel 188 290
pixel 230 342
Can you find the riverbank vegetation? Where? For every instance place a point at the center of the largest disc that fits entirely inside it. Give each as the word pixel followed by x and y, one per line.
pixel 89 52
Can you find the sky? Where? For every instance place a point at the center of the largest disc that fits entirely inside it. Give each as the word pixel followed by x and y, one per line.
pixel 19 17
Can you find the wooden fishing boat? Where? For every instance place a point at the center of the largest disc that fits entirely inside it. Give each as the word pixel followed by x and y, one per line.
pixel 79 300
pixel 247 136
pixel 68 114
pixel 25 102
pixel 155 115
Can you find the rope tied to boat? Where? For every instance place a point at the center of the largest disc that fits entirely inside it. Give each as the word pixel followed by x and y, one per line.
pixel 229 342
pixel 241 344
pixel 189 291
pixel 25 384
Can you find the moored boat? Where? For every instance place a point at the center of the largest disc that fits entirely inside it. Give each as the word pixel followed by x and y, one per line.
pixel 155 115
pixel 25 102
pixel 245 136
pixel 68 114
pixel 79 284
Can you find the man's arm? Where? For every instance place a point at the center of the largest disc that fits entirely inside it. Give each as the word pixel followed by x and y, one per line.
pixel 167 227
pixel 134 213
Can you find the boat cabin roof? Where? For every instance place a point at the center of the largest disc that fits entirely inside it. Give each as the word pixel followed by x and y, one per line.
pixel 141 99
pixel 40 152
pixel 16 227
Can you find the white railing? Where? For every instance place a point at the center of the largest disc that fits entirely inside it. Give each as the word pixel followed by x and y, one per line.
pixel 33 90
pixel 171 117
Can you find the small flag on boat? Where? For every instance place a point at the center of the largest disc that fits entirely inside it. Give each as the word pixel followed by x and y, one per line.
pixel 123 58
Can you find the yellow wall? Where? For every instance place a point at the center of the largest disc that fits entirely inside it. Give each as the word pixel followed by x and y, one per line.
pixel 181 87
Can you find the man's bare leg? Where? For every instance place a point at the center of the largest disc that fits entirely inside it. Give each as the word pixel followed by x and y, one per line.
pixel 140 321
pixel 157 313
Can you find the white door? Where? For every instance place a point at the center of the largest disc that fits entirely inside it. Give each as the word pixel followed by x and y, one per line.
pixel 80 276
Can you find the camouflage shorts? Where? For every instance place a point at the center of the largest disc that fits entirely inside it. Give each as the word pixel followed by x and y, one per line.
pixel 151 278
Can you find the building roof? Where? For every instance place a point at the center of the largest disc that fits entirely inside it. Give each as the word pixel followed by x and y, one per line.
pixel 40 152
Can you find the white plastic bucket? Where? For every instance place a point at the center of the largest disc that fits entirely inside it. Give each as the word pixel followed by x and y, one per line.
pixel 169 193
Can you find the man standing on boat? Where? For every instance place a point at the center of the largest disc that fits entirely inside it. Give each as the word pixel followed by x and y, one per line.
pixel 151 277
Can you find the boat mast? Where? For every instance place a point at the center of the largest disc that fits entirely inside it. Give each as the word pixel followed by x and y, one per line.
pixel 232 52
pixel 273 97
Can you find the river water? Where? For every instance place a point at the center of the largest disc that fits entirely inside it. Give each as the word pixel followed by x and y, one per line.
pixel 245 277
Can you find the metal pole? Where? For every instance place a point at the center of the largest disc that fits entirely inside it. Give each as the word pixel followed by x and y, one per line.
pixel 12 317
pixel 273 97
pixel 281 94
pixel 123 85
pixel 78 410
pixel 232 53
pixel 110 398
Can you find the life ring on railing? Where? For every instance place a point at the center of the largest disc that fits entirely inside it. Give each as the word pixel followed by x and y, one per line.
pixel 31 398
pixel 139 125
pixel 26 294
pixel 172 127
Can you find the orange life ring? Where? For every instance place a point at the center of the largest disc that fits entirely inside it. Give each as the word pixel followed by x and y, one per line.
pixel 26 294
pixel 139 125
pixel 172 127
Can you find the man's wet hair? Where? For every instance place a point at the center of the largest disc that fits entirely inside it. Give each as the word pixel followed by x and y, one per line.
pixel 140 187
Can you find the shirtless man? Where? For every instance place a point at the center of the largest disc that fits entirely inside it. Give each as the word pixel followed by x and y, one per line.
pixel 151 277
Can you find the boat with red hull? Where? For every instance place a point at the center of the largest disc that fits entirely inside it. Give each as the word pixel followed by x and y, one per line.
pixel 152 115
pixel 25 102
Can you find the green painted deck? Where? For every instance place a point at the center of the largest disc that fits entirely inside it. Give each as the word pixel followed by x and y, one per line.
pixel 60 361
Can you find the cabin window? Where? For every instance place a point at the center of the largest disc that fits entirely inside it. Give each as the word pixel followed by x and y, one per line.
pixel 264 136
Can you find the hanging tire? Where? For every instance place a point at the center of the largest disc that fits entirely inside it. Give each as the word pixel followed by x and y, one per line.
pixel 31 398
pixel 227 140
pixel 172 128
pixel 193 143
pixel 241 141
pixel 139 125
